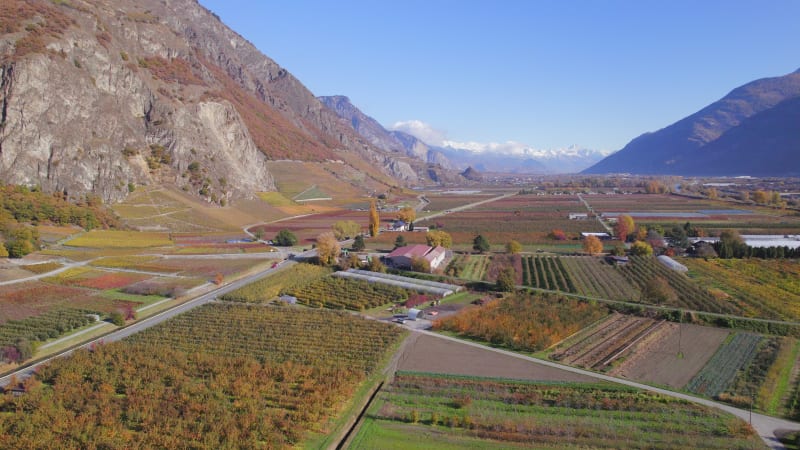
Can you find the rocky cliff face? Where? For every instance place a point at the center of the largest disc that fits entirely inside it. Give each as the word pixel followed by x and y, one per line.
pixel 102 95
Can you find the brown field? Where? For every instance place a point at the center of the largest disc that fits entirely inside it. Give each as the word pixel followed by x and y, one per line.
pixel 656 359
pixel 309 227
pixel 33 298
pixel 437 355
pixel 525 218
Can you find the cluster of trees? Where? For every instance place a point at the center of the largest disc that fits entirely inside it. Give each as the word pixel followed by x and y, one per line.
pixel 21 207
pixel 731 245
pixel 440 238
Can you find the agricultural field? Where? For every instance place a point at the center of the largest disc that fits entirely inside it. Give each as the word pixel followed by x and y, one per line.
pixel 342 293
pixel 735 353
pixel 287 279
pixel 688 294
pixel 594 277
pixel 527 219
pixel 761 288
pixel 206 267
pixel 309 227
pixel 468 266
pixel 120 239
pixel 444 201
pixel 546 272
pixel 711 215
pixel 219 376
pixel 523 321
pixel 95 279
pixel 439 411
pixel 217 243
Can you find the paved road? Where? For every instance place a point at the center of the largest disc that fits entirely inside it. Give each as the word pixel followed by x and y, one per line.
pixel 148 322
pixel 63 268
pixel 462 208
pixel 765 426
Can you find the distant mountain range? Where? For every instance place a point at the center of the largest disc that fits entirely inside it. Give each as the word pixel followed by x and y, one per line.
pixel 754 130
pixel 503 158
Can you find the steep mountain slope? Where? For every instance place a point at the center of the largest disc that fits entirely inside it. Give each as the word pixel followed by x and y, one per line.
pixel 720 139
pixel 395 142
pixel 103 95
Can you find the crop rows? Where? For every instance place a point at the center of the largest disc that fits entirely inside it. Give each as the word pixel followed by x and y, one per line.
pixel 43 327
pixel 765 288
pixel 223 375
pixel 546 272
pixel 595 278
pixel 733 355
pixel 342 293
pixel 580 415
pixel 607 342
pixel 267 288
pixel 277 334
pixel 642 269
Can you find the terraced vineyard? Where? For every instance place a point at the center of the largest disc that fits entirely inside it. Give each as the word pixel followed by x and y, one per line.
pixel 440 411
pixel 220 376
pixel 469 267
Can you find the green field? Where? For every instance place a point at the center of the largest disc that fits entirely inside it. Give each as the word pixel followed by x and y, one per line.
pixel 447 412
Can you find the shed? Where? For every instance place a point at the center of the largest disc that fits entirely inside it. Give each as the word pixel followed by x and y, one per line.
pixel 618 260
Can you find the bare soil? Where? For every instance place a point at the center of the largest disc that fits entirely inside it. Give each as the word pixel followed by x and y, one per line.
pixel 431 354
pixel 672 355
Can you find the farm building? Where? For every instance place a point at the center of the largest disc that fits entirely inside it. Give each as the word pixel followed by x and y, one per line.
pixel 398 225
pixel 401 257
pixel 578 216
pixel 288 299
pixel 671 263
pixel 617 260
pixel 601 236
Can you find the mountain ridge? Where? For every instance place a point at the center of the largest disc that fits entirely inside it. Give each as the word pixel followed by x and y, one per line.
pixel 679 148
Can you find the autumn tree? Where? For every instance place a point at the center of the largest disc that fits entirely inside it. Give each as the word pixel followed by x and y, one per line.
pixel 760 196
pixel 407 214
pixel 557 235
pixel 507 279
pixel 375 265
pixel 480 244
pixel 436 237
pixel 641 248
pixel 327 248
pixel 658 291
pixel 345 229
pixel 419 264
pixel 374 219
pixel 625 226
pixel 655 187
pixel 592 245
pixel 513 247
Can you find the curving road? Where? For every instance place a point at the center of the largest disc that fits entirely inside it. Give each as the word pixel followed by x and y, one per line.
pixel 765 426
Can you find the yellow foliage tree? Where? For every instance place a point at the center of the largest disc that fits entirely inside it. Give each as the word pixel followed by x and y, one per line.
pixel 513 247
pixel 374 219
pixel 641 248
pixel 407 214
pixel 436 237
pixel 327 248
pixel 592 245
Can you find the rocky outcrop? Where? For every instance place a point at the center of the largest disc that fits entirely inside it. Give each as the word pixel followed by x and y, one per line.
pixel 101 96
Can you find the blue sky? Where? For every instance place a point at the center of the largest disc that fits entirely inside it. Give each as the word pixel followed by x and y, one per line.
pixel 547 74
